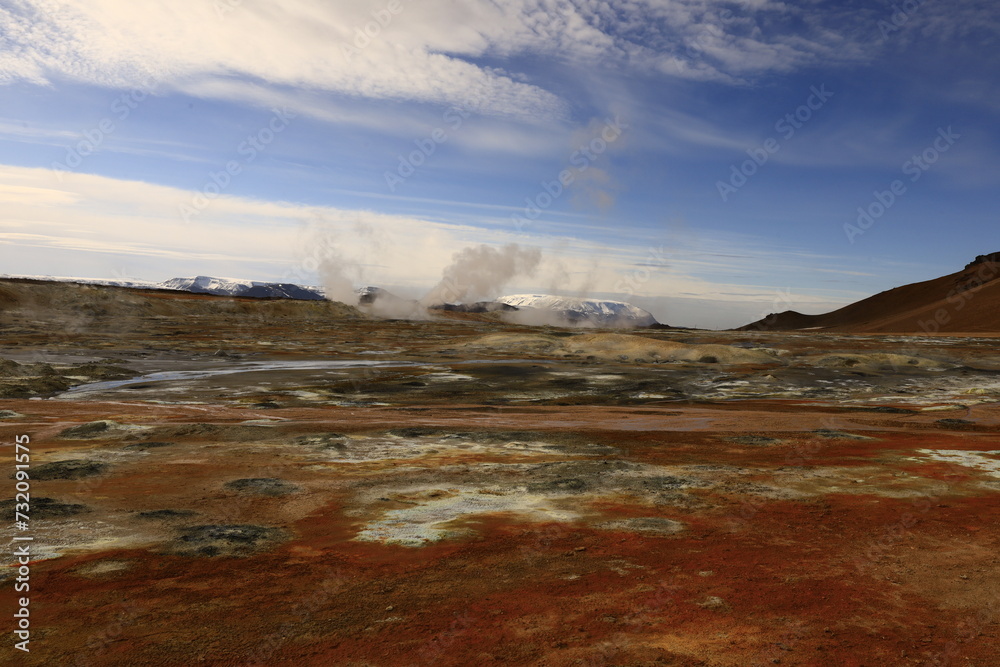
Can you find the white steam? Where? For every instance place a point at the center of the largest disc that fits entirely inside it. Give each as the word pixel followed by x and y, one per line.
pixel 480 272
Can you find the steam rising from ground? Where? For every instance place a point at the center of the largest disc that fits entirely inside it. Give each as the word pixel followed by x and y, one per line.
pixel 392 307
pixel 538 317
pixel 481 272
pixel 336 286
pixel 322 250
pixel 475 273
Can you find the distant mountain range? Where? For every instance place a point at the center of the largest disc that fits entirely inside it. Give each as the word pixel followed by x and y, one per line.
pixel 243 288
pixel 966 301
pixel 524 308
pixel 542 309
pixel 200 285
pixel 579 311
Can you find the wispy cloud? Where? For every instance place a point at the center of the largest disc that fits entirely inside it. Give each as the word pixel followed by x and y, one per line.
pixel 431 51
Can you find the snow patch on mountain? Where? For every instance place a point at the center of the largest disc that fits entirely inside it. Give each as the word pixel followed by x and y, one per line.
pixel 244 288
pixel 577 311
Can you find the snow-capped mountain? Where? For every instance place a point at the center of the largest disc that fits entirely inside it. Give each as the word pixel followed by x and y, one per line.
pixel 575 310
pixel 219 287
pixel 244 288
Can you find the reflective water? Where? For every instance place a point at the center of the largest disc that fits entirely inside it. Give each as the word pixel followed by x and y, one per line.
pixel 230 369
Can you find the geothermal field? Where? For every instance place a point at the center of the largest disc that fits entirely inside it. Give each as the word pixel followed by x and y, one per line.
pixel 221 480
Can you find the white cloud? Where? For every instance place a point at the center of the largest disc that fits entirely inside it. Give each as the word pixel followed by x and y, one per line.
pixel 299 43
pixel 430 51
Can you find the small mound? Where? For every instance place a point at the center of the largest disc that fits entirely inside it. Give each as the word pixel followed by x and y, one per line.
pixel 166 515
pixel 12 369
pixel 42 379
pixel 42 508
pixel 559 486
pixel 646 524
pixel 103 568
pixel 415 431
pixel 323 441
pixel 262 486
pixel 620 347
pixel 236 540
pixel 233 432
pixel 516 343
pixel 104 428
pixel 68 469
pixel 142 446
pixel 755 440
pixel 611 346
pixel 877 362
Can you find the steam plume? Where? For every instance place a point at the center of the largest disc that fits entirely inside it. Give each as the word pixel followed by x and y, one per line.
pixel 480 272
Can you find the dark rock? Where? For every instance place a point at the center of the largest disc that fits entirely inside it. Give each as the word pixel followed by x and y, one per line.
pixel 560 485
pixel 97 371
pixel 224 540
pixel 754 440
pixel 668 483
pixel 148 445
pixel 414 431
pixel 981 259
pixel 89 430
pixel 68 469
pixel 324 441
pixel 41 508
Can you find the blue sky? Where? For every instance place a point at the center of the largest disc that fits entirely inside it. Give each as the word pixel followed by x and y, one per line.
pixel 264 140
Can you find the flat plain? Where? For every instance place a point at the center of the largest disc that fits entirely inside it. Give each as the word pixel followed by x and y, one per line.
pixel 250 482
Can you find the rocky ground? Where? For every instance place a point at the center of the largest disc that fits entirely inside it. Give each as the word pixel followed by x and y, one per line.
pixel 230 482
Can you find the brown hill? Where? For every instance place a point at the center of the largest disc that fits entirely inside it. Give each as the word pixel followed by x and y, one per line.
pixel 101 307
pixel 967 301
